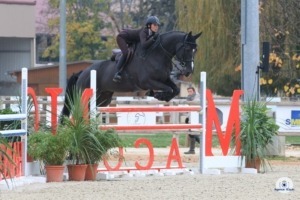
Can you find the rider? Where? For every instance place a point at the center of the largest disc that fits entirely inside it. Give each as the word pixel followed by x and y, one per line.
pixel 146 35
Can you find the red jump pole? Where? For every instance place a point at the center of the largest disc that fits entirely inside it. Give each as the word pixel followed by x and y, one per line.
pixel 165 127
pixel 150 109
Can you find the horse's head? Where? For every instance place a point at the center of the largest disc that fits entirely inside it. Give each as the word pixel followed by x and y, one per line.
pixel 185 52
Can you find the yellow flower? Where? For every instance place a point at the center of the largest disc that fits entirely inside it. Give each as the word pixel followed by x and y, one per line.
pixel 270 81
pixel 294 57
pixel 286 88
pixel 272 57
pixel 261 81
pixel 278 62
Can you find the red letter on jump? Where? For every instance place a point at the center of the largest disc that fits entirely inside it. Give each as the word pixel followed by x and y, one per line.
pixel 117 167
pixel 54 92
pixel 233 124
pixel 36 108
pixel 86 96
pixel 174 148
pixel 151 153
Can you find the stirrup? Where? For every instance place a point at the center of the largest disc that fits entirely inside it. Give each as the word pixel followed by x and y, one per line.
pixel 117 78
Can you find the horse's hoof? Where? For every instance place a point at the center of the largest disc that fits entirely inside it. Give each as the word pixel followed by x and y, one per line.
pixel 150 93
pixel 159 96
pixel 176 92
pixel 168 97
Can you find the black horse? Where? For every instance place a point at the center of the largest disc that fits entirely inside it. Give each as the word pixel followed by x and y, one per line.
pixel 145 70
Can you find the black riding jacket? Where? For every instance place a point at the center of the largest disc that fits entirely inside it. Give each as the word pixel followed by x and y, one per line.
pixel 129 36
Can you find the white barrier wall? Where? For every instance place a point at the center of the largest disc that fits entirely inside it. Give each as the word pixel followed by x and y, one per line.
pixel 288 118
pixel 135 118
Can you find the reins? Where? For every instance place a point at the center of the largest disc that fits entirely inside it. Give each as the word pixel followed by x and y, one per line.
pixel 170 56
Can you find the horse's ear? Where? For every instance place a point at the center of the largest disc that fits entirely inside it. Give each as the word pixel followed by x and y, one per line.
pixel 197 35
pixel 190 34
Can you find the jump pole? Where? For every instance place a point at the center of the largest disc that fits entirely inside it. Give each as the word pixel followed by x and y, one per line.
pixel 93 85
pixel 203 111
pixel 24 94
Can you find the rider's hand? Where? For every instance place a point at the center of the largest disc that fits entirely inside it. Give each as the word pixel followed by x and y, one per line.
pixel 155 36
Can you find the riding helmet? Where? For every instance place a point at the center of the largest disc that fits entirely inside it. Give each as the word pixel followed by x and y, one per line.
pixel 152 20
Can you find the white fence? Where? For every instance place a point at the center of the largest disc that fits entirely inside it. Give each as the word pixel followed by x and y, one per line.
pixel 22 116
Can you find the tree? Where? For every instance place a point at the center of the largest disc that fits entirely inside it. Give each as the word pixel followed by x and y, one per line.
pixel 83 30
pixel 280 26
pixel 133 13
pixel 219 46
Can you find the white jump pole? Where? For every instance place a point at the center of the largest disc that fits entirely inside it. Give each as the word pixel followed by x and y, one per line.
pixel 203 111
pixel 93 83
pixel 24 94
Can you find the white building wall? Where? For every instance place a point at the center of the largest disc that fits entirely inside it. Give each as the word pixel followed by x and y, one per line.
pixel 17 20
pixel 17 36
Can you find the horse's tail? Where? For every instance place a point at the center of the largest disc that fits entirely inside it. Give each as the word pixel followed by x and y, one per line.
pixel 69 93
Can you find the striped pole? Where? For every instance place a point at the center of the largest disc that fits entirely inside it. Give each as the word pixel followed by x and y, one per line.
pixel 149 109
pixel 24 93
pixel 203 134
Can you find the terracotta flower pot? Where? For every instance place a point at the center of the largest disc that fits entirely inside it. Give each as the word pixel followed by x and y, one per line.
pixel 54 173
pixel 91 172
pixel 76 172
pixel 253 164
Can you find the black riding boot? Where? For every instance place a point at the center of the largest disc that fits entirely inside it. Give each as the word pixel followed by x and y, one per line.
pixel 117 77
pixel 192 146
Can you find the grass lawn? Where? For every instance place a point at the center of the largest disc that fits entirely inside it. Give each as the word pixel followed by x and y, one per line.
pixel 162 140
pixel 292 140
pixel 158 140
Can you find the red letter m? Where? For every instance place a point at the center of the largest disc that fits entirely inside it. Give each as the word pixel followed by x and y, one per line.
pixel 233 124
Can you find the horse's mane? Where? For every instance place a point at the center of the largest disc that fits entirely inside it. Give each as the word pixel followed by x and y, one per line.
pixel 172 32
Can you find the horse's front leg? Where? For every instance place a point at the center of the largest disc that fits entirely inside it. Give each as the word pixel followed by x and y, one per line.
pixel 174 87
pixel 157 89
pixel 175 90
pixel 163 91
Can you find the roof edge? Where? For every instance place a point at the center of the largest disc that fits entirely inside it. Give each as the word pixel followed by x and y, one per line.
pixel 33 2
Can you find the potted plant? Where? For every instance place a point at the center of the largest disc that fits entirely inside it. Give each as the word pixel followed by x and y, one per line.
pixel 51 150
pixel 5 156
pixel 98 148
pixel 257 131
pixel 76 131
pixel 80 138
pixel 87 144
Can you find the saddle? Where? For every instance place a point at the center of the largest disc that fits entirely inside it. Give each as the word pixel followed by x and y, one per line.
pixel 116 54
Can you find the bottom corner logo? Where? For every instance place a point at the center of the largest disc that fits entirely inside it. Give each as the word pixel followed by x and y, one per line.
pixel 284 185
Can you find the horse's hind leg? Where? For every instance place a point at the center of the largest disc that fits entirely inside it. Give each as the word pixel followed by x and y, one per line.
pixel 103 100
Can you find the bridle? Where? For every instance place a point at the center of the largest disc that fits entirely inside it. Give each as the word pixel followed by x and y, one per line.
pixel 182 45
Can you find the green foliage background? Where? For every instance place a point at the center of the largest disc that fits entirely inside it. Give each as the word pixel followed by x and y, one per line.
pixel 219 51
